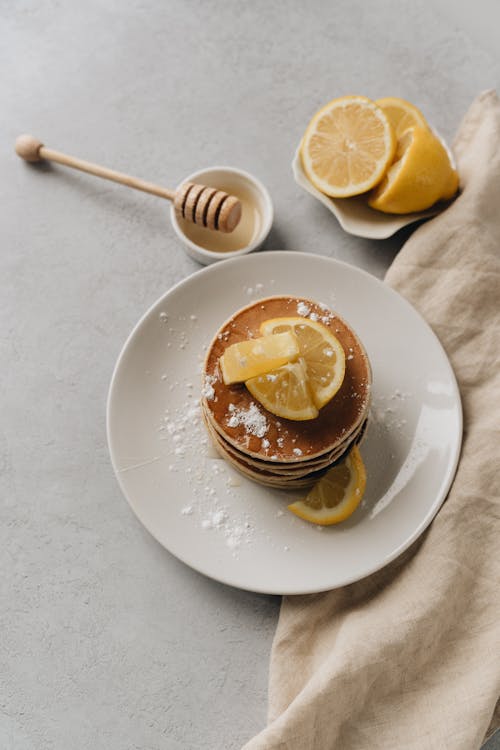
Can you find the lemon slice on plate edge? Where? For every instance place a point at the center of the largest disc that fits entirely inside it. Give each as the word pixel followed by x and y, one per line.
pixel 335 496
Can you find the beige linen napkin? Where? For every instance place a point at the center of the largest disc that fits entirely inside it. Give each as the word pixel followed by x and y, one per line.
pixel 410 657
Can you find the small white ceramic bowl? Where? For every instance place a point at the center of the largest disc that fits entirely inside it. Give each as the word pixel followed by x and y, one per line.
pixel 355 215
pixel 238 183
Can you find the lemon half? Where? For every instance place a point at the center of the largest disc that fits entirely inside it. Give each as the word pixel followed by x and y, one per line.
pixel 347 147
pixel 421 174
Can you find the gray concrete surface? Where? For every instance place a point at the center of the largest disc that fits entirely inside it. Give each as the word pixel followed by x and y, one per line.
pixel 107 641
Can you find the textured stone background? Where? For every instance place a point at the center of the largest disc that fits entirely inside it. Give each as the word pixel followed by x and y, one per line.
pixel 106 640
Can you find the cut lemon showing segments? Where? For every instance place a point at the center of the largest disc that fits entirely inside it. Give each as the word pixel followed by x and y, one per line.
pixel 401 114
pixel 421 175
pixel 285 392
pixel 336 495
pixel 247 359
pixel 321 351
pixel 347 147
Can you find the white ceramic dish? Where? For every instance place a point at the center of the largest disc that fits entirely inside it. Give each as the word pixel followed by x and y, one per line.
pixel 355 215
pixel 234 181
pixel 239 532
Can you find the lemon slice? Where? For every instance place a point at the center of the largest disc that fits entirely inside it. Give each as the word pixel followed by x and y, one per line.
pixel 247 359
pixel 347 147
pixel 421 175
pixel 336 495
pixel 401 114
pixel 321 351
pixel 285 392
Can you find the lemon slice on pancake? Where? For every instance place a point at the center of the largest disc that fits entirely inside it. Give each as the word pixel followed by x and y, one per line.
pixel 321 351
pixel 285 392
pixel 294 369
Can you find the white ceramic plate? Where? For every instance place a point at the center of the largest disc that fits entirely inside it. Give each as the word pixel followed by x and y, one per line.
pixel 355 215
pixel 239 532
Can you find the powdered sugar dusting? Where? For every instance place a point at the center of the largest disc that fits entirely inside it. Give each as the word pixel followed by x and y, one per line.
pixel 386 410
pixel 257 289
pixel 305 311
pixel 212 484
pixel 252 419
pixel 302 309
pixel 208 390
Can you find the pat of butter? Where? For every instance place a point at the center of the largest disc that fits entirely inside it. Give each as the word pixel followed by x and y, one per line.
pixel 248 359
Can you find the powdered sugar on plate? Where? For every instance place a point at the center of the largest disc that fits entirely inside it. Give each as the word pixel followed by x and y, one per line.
pixel 213 484
pixel 257 289
pixel 386 410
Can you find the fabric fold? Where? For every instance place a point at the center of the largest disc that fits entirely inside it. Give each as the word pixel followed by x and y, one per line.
pixel 410 657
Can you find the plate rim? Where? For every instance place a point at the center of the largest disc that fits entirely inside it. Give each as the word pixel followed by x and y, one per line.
pixel 441 494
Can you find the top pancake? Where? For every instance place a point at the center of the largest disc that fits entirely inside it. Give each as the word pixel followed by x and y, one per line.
pixel 266 436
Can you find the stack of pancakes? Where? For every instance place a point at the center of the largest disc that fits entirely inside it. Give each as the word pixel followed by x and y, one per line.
pixel 269 449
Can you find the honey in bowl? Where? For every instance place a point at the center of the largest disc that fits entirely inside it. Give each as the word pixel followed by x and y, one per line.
pixel 243 235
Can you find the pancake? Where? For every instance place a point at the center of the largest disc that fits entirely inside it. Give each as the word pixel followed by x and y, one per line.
pixel 267 477
pixel 297 470
pixel 297 458
pixel 272 465
pixel 259 434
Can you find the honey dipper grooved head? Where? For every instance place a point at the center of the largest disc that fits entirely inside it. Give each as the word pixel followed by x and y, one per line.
pixel 230 214
pixel 207 207
pixel 28 147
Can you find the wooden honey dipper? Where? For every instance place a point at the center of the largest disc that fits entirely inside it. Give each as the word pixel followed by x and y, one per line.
pixel 200 204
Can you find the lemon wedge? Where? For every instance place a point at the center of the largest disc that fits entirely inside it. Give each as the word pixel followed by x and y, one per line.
pixel 247 359
pixel 347 146
pixel 336 495
pixel 421 174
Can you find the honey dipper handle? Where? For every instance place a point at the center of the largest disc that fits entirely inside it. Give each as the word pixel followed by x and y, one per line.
pixel 30 149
